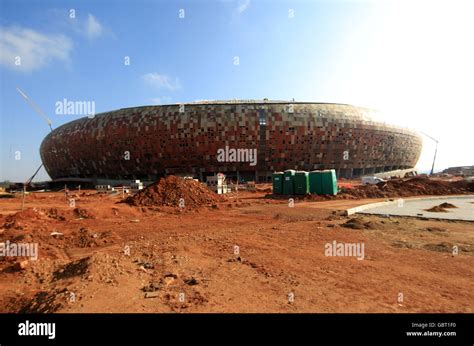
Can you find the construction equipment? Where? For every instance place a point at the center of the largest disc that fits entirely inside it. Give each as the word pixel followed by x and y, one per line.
pixel 49 122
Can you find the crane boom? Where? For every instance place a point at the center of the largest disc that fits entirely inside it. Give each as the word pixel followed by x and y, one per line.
pixel 35 107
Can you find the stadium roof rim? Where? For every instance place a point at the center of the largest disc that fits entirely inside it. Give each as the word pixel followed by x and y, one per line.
pixel 252 102
pixel 256 102
pixel 240 102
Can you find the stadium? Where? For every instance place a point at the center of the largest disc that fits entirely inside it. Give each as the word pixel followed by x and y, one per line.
pixel 247 140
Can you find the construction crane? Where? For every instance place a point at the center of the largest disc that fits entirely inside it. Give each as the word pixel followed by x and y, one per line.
pixel 49 122
pixel 436 150
pixel 35 107
pixel 25 184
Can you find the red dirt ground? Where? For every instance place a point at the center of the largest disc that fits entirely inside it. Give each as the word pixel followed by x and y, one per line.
pixel 243 253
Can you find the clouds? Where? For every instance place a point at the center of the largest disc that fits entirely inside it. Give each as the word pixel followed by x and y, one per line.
pixel 25 49
pixel 161 100
pixel 34 49
pixel 161 81
pixel 85 25
pixel 243 5
pixel 92 27
pixel 237 6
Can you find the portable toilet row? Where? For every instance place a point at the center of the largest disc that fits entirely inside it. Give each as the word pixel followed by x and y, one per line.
pixel 316 182
pixel 284 182
pixel 329 182
pixel 323 182
pixel 289 182
pixel 293 182
pixel 277 182
pixel 301 183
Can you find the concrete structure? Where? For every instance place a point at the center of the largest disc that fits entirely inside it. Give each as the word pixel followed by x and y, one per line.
pixel 417 207
pixel 198 139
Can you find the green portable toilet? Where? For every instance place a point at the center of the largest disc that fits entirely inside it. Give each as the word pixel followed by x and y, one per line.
pixel 289 182
pixel 316 182
pixel 301 183
pixel 329 182
pixel 277 180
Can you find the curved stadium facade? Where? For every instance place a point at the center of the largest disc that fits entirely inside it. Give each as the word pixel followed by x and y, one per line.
pixel 202 138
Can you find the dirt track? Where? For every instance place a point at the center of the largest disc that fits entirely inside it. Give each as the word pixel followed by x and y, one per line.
pixel 187 261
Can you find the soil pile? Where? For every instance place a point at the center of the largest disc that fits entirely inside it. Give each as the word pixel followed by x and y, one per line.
pixel 355 224
pixel 441 208
pixel 447 205
pixel 83 213
pixel 417 186
pixel 372 224
pixel 175 192
pixel 20 219
pixel 437 209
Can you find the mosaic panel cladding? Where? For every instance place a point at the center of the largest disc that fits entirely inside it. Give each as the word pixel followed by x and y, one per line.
pixel 151 141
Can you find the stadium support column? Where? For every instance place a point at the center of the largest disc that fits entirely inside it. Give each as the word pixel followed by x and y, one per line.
pixel 262 143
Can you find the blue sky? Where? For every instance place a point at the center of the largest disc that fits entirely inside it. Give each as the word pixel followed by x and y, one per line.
pixel 393 56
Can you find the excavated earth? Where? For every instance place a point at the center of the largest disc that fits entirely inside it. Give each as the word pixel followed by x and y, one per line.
pixel 245 252
pixel 174 192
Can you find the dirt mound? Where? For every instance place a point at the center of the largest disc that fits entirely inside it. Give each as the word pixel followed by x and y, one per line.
pixel 71 269
pixel 19 219
pixel 84 238
pixel 441 208
pixel 83 213
pixel 436 229
pixel 447 205
pixel 417 186
pixel 437 209
pixel 375 223
pixel 354 224
pixel 361 223
pixel 175 192
pixel 440 247
pixel 30 213
pixel 42 302
pixel 56 214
